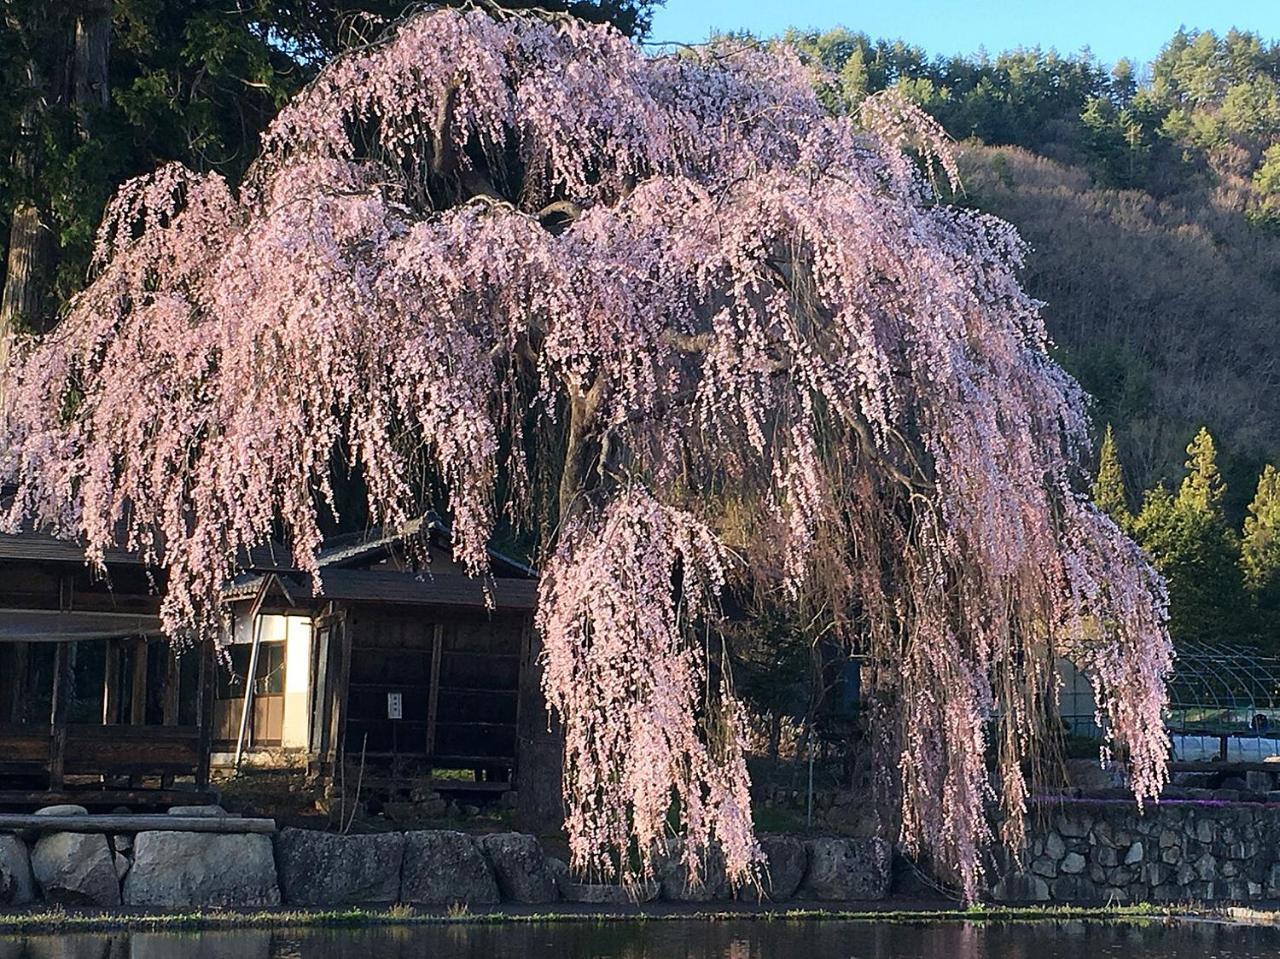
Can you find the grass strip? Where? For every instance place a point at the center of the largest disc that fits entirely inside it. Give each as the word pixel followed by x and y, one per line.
pixel 64 921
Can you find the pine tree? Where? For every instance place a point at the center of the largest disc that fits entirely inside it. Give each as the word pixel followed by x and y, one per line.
pixel 1190 543
pixel 1260 554
pixel 1203 488
pixel 1108 489
pixel 1155 525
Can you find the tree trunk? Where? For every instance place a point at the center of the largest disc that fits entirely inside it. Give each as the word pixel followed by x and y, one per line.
pixel 540 765
pixel 33 247
pixel 31 244
pixel 89 86
pixel 27 276
pixel 31 241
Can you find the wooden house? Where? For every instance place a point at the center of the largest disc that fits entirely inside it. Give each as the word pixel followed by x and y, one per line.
pixel 396 660
pixel 96 707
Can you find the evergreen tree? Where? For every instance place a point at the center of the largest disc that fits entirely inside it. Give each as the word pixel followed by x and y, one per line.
pixel 1190 543
pixel 1260 554
pixel 1108 489
pixel 1124 82
pixel 1202 490
pixel 1155 526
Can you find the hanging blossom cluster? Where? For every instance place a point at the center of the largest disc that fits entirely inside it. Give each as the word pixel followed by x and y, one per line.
pixel 621 665
pixel 510 261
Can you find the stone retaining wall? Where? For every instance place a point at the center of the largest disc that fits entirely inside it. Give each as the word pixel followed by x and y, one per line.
pixel 432 868
pixel 1078 851
pixel 1105 851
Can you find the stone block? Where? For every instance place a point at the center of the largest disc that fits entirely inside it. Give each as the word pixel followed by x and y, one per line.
pixel 64 809
pixel 1074 888
pixel 1073 864
pixel 678 883
pixel 323 869
pixel 1054 847
pixel 17 884
pixel 520 867
pixel 786 861
pixel 183 870
pixel 443 867
pixel 1020 887
pixel 1073 823
pixel 1046 868
pixel 75 869
pixel 1106 856
pixel 847 869
pixel 204 811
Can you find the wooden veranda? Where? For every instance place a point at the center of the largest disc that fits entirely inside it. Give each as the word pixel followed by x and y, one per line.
pixel 96 706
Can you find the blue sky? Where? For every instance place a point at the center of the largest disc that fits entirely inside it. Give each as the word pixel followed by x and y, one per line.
pixel 1111 28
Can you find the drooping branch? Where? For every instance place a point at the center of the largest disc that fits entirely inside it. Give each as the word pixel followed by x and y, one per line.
pixel 444 154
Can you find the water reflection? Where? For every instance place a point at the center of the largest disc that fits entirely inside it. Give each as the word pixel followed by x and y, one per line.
pixel 677 940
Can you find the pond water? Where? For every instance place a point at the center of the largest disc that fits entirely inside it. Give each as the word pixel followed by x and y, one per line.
pixel 679 939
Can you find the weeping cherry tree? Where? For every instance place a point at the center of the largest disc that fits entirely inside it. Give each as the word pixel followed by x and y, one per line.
pixel 510 266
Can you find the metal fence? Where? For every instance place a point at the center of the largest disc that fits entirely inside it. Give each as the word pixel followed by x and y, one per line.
pixel 1224 702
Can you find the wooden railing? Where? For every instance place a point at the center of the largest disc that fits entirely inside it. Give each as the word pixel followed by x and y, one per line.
pixel 24 749
pixel 109 751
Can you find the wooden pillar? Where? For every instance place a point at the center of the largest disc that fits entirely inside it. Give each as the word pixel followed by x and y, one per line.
pixel 18 682
pixel 58 714
pixel 338 735
pixel 255 624
pixel 433 696
pixel 172 685
pixel 539 750
pixel 138 694
pixel 526 652
pixel 111 684
pixel 321 701
pixel 204 711
pixel 251 676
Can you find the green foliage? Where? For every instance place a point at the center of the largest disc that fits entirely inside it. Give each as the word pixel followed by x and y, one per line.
pixel 1223 586
pixel 1155 525
pixel 1189 541
pixel 1021 96
pixel 772 658
pixel 1206 91
pixel 188 81
pixel 1266 182
pixel 1124 81
pixel 1118 377
pixel 1114 141
pixel 1260 552
pixel 1108 489
pixel 1202 490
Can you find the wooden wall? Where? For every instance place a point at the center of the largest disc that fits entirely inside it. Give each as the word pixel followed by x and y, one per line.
pixel 457 674
pixel 34 585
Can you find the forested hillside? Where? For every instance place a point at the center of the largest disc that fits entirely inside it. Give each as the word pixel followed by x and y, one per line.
pixel 1166 312
pixel 1149 195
